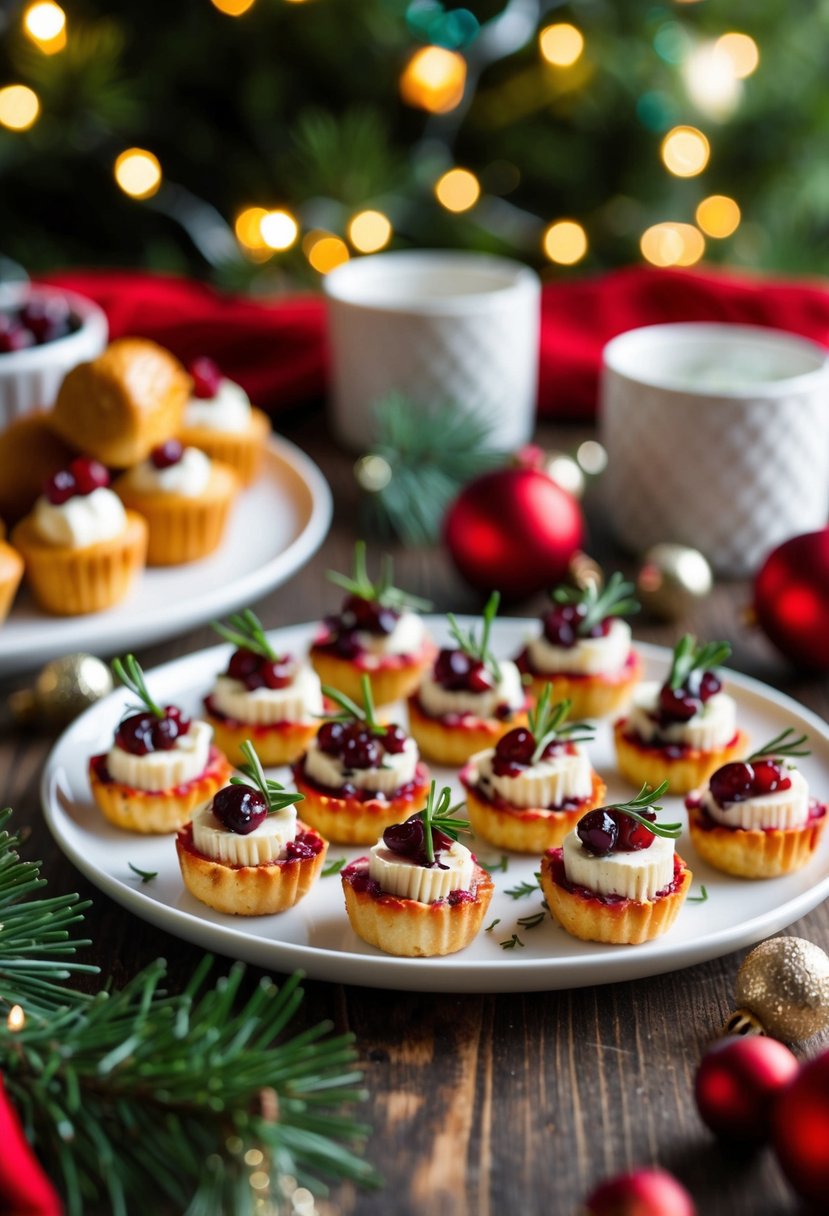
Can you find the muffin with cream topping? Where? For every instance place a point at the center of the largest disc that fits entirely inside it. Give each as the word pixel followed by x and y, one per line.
pixel 220 420
pixel 528 791
pixel 420 892
pixel 469 699
pixel 756 817
pixel 246 853
pixel 617 878
pixel 377 633
pixel 683 729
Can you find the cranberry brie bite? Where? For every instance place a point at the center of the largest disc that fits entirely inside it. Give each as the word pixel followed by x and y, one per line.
pixel 617 878
pixel 684 729
pixel 377 633
pixel 420 892
pixel 586 648
pixel 162 767
pixel 469 699
pixel 220 420
pixel 756 818
pixel 359 774
pixel 246 853
pixel 528 791
pixel 273 699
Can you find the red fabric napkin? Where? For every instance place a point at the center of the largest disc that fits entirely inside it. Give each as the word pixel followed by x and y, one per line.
pixel 277 350
pixel 24 1188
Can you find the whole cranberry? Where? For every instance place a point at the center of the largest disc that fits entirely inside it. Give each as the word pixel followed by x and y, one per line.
pixel 135 733
pixel 242 664
pixel 394 740
pixel 677 705
pixel 46 317
pixel 710 684
pixel 406 839
pixel 361 749
pixel 513 751
pixel 13 335
pixel 240 809
pixel 167 454
pixel 733 782
pixel 207 378
pixel 60 488
pixel 331 738
pixel 769 777
pixel 598 832
pixel 89 475
pixel 277 673
pixel 452 669
pixel 633 836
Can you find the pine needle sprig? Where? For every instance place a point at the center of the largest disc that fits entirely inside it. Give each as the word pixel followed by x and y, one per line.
pixel 782 745
pixel 478 647
pixel 440 814
pixel 599 603
pixel 244 631
pixel 690 656
pixel 350 711
pixel 383 591
pixel 646 799
pixel 128 672
pixel 547 723
pixel 276 796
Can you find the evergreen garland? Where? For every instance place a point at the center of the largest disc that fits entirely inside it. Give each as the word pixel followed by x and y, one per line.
pixel 149 1101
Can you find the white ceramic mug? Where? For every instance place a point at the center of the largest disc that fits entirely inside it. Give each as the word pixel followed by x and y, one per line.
pixel 717 437
pixel 437 327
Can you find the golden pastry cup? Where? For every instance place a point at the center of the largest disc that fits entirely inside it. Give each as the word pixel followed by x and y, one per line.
pixel 261 890
pixel 411 929
pixel 595 696
pixel 748 853
pixel 639 763
pixel 350 821
pixel 70 582
pixel 624 922
pixel 452 745
pixel 276 743
pixel 183 529
pixel 156 812
pixel 527 829
pixel 241 451
pixel 11 572
pixel 393 678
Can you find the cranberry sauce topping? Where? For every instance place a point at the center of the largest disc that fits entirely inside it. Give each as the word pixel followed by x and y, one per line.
pixel 240 808
pixel 39 320
pixel 145 732
pixel 739 780
pixel 258 671
pixel 303 846
pixel 206 377
pixel 358 615
pixel 681 704
pixel 356 744
pixel 167 454
pixel 514 751
pixel 561 625
pixel 608 830
pixel 81 478
pixel 457 671
pixel 408 840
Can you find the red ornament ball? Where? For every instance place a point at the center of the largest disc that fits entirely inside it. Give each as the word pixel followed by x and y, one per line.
pixel 643 1193
pixel 791 599
pixel 737 1083
pixel 800 1132
pixel 513 530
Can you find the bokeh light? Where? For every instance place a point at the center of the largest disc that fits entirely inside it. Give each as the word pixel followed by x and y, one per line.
pixel 434 79
pixel 233 8
pixel 718 216
pixel 324 251
pixel 247 227
pixel 565 242
pixel 711 82
pixel 743 52
pixel 19 107
pixel 561 44
pixel 138 172
pixel 369 231
pixel 685 151
pixel 45 23
pixel 457 190
pixel 672 244
pixel 279 229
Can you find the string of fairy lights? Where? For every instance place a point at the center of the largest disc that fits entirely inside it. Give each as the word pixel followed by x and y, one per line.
pixel 436 79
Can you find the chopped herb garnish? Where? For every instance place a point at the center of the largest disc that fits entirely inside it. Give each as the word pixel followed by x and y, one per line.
pixel 471 644
pixel 532 922
pixel 522 890
pixel 514 941
pixel 129 673
pixel 701 898
pixel 689 656
pixel 614 599
pixel 350 711
pixel 494 867
pixel 547 723
pixel 489 928
pixel 782 745
pixel 334 866
pixel 276 796
pixel 441 815
pixel 144 875
pixel 646 798
pixel 244 631
pixel 383 591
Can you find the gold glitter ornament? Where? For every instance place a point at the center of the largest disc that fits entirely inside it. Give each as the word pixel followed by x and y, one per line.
pixel 782 990
pixel 671 579
pixel 62 690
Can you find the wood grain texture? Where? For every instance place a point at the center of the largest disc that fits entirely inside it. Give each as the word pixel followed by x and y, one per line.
pixel 486 1105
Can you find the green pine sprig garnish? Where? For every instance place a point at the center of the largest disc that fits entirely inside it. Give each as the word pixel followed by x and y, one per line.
pixel 547 722
pixel 128 672
pixel 383 591
pixel 245 632
pixel 276 796
pixel 690 656
pixel 478 647
pixel 350 711
pixel 782 745
pixel 647 799
pixel 599 603
pixel 439 814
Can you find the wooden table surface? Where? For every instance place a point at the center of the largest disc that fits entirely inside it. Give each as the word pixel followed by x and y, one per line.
pixel 489 1104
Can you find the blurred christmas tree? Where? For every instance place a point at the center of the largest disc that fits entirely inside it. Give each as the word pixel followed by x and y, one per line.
pixel 260 142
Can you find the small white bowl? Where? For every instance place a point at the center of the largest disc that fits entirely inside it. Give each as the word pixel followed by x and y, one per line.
pixel 30 378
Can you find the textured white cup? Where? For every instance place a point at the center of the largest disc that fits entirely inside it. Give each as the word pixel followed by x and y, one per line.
pixel 717 437
pixel 437 327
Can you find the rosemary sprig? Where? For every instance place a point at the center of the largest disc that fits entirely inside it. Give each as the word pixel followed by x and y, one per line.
pixel 701 898
pixel 350 711
pixel 383 591
pixel 782 745
pixel 495 867
pixel 440 814
pixel 511 942
pixel 128 672
pixel 489 928
pixel 646 798
pixel 276 796
pixel 614 599
pixel 469 643
pixel 334 866
pixel 690 656
pixel 522 890
pixel 245 632
pixel 144 875
pixel 547 722
pixel 532 922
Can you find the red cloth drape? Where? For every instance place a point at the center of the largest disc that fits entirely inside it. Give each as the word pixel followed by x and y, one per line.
pixel 24 1188
pixel 277 350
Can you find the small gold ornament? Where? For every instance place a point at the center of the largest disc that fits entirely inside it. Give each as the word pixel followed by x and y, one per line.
pixel 63 689
pixel 671 579
pixel 782 990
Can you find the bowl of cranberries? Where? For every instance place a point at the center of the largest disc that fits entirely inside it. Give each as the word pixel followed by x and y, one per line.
pixel 44 332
